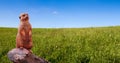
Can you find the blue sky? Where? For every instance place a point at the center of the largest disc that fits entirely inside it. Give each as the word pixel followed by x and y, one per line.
pixel 61 13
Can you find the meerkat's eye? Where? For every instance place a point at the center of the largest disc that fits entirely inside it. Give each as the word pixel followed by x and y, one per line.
pixel 19 17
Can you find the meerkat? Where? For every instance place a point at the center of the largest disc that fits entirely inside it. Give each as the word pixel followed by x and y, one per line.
pixel 24 35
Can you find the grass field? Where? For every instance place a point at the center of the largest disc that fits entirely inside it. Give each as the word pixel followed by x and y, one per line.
pixel 68 45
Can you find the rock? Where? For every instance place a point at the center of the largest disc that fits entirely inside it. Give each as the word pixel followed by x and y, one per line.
pixel 18 55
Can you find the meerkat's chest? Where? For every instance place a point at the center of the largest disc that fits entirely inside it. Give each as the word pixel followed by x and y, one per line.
pixel 26 29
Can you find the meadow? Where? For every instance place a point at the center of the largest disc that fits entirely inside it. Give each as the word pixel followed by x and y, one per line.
pixel 68 45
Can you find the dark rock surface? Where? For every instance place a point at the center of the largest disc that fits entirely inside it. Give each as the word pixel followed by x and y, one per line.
pixel 18 55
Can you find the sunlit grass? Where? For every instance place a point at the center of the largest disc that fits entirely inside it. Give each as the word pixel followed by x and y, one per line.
pixel 68 45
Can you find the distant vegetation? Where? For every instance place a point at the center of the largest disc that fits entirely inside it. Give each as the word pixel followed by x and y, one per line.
pixel 68 45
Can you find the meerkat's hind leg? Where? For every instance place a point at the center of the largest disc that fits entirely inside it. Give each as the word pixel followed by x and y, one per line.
pixel 30 50
pixel 21 48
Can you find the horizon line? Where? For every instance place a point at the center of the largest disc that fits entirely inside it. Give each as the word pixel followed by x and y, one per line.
pixel 66 27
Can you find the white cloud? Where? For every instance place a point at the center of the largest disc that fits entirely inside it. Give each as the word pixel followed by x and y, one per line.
pixel 55 12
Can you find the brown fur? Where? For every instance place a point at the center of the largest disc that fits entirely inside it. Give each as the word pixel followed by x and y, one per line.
pixel 24 35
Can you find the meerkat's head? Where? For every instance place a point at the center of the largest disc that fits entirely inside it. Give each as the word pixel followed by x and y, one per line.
pixel 24 17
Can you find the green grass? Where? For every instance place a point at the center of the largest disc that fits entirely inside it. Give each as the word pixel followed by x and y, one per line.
pixel 68 45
